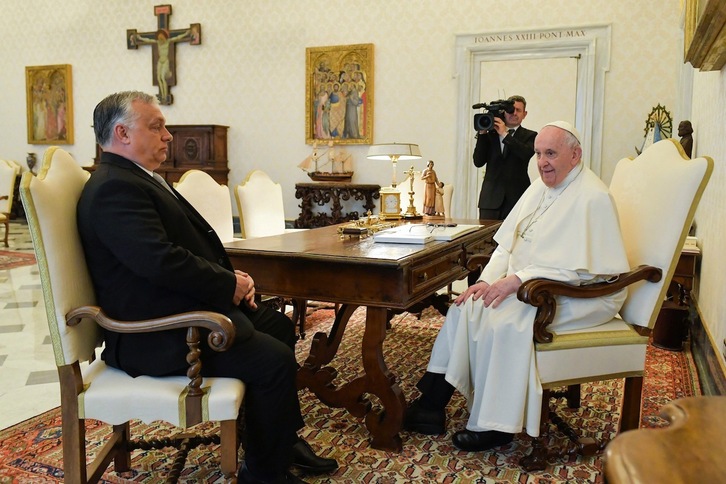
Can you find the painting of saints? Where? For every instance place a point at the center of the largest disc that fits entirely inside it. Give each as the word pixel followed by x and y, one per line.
pixel 339 94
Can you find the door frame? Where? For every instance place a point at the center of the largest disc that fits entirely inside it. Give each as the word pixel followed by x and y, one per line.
pixel 591 43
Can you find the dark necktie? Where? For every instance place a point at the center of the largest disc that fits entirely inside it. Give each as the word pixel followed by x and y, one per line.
pixel 505 148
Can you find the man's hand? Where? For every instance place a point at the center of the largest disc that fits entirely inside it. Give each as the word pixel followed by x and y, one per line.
pixel 245 290
pixel 475 290
pixel 493 294
pixel 500 127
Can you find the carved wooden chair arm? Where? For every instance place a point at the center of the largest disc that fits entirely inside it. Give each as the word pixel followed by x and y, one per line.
pixel 541 294
pixel 221 336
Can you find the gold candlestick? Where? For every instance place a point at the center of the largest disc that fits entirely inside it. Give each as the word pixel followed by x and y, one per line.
pixel 411 212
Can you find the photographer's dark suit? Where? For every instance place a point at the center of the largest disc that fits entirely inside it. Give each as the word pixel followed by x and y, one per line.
pixel 506 175
pixel 150 254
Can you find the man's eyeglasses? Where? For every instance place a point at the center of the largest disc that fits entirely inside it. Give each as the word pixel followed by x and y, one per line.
pixel 430 227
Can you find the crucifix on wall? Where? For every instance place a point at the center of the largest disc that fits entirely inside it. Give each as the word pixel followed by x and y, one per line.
pixel 163 46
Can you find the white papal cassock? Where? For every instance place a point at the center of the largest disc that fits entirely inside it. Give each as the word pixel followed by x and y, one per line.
pixel 568 233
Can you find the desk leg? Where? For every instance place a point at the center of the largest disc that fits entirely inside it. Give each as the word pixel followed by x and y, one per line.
pixel 383 424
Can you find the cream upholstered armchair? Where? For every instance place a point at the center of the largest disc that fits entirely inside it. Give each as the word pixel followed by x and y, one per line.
pixel 260 206
pixel 656 196
pixel 210 199
pixel 261 214
pixel 9 171
pixel 89 388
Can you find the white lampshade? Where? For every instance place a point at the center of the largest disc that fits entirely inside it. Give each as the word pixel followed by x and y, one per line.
pixel 391 151
pixel 394 152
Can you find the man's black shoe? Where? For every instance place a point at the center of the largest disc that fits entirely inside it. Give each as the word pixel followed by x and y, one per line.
pixel 424 421
pixel 305 459
pixel 471 441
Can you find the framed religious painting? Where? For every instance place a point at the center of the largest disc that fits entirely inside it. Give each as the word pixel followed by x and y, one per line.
pixel 49 104
pixel 339 94
pixel 705 34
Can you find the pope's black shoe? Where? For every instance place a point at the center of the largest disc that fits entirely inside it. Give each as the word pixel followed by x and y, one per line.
pixel 471 441
pixel 424 421
pixel 305 459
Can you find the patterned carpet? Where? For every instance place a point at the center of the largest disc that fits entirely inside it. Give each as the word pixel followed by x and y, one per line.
pixel 11 260
pixel 31 451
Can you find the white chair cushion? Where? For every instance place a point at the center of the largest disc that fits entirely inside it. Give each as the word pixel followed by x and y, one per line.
pixel 610 350
pixel 114 397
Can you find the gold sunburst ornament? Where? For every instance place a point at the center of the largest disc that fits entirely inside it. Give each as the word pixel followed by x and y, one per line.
pixel 658 126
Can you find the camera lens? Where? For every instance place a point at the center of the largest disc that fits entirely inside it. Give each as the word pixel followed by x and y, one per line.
pixel 483 121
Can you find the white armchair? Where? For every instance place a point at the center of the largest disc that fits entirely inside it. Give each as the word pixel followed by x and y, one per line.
pixel 211 199
pixel 90 388
pixel 656 195
pixel 260 206
pixel 9 171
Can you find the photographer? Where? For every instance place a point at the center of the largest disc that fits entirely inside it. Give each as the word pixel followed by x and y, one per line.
pixel 506 149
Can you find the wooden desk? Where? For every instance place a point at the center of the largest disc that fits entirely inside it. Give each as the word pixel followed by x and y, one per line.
pixel 689 450
pixel 321 194
pixel 320 265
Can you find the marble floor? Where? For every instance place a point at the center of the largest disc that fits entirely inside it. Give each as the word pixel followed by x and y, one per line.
pixel 28 376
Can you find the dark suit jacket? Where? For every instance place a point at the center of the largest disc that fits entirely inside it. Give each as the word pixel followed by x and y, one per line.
pixel 506 175
pixel 150 254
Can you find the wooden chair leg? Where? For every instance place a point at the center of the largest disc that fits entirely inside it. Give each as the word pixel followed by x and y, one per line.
pixel 73 428
pixel 299 313
pixel 122 454
pixel 228 448
pixel 7 232
pixel 74 448
pixel 537 459
pixel 630 415
pixel 573 396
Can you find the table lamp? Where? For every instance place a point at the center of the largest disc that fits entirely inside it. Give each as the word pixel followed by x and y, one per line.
pixel 390 197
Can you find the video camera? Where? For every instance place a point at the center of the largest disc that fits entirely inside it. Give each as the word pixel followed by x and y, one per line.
pixel 485 121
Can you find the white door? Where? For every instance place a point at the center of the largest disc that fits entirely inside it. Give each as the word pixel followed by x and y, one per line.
pixel 548 84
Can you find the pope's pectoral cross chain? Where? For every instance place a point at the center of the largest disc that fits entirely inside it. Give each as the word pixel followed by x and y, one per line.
pixel 163 42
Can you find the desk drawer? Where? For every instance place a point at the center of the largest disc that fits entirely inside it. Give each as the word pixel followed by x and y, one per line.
pixel 437 272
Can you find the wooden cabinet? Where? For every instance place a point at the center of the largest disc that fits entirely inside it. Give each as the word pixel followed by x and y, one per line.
pixel 194 147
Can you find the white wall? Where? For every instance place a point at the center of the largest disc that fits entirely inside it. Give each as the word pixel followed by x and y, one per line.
pixel 249 72
pixel 709 119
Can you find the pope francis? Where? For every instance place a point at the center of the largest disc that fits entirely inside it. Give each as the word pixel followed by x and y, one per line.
pixel 564 227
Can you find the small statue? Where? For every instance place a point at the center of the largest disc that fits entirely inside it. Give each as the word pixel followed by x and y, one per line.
pixel 31 160
pixel 685 131
pixel 432 181
pixel 439 204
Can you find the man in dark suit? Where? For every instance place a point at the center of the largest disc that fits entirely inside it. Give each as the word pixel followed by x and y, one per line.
pixel 150 254
pixel 505 150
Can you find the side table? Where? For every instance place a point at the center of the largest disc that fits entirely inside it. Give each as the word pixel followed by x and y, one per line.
pixel 322 194
pixel 671 327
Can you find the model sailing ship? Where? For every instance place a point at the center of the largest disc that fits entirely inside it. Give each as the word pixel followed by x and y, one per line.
pixel 339 162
